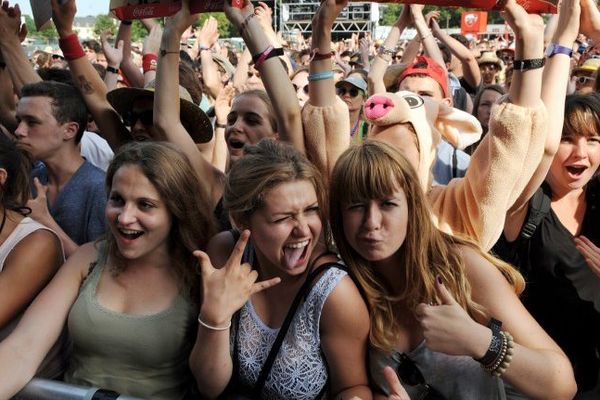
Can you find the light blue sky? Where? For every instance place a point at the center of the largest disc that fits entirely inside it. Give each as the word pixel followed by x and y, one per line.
pixel 84 7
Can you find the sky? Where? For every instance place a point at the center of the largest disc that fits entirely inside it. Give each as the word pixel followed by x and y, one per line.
pixel 84 7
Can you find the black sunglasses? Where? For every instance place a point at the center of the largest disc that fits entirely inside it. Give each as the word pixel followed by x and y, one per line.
pixel 341 91
pixel 304 88
pixel 131 117
pixel 410 374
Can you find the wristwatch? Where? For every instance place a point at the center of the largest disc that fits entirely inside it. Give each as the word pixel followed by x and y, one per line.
pixel 554 49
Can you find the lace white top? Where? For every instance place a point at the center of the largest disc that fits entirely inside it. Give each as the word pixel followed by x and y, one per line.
pixel 299 371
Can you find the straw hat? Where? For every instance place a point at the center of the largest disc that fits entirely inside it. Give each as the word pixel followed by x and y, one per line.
pixel 194 120
pixel 589 65
pixel 489 57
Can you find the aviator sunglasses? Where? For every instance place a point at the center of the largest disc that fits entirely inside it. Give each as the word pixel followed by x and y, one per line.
pixel 410 374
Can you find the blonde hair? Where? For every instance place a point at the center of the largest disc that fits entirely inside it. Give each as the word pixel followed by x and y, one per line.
pixel 263 167
pixel 374 170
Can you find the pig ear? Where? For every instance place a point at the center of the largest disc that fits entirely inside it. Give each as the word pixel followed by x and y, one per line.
pixel 459 128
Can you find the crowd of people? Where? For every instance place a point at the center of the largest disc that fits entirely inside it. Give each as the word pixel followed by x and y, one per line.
pixel 303 218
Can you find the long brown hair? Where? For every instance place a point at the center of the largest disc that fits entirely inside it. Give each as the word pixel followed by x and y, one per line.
pixel 169 170
pixel 374 170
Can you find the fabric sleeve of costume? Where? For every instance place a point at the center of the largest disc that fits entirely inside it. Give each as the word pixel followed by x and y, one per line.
pixel 476 205
pixel 326 134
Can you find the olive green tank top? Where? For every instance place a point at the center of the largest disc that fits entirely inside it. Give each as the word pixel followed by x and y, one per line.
pixel 138 355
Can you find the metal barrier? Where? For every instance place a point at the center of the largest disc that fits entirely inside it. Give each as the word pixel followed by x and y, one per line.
pixel 43 389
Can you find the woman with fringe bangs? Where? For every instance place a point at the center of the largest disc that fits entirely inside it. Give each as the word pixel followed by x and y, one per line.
pixel 444 315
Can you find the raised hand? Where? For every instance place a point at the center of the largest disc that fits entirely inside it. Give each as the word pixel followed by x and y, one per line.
pixel 590 252
pixel 151 44
pixel 10 23
pixel 182 20
pixel 209 33
pixel 39 204
pixel 448 328
pixel 328 12
pixel 265 15
pixel 567 27
pixel 114 55
pixel 590 19
pixel 223 103
pixel 227 289
pixel 237 15
pixel 525 26
pixel 431 17
pixel 63 14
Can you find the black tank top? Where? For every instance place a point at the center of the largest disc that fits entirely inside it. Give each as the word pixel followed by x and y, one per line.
pixel 557 278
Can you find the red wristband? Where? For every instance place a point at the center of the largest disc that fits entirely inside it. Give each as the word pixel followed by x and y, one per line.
pixel 149 62
pixel 71 47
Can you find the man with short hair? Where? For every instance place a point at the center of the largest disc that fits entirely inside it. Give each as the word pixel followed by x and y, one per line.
pixel 70 197
pixel 427 78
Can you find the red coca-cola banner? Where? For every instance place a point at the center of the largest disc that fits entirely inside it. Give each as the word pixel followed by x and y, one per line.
pixel 138 9
pixel 531 6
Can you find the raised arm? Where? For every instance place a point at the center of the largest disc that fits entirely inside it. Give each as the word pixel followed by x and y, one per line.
pixel 470 67
pixel 130 70
pixel 114 57
pixel 422 26
pixel 275 78
pixel 85 76
pixel 508 155
pixel 210 74
pixel 7 98
pixel 384 56
pixel 554 91
pixel 166 104
pixel 12 33
pixel 325 116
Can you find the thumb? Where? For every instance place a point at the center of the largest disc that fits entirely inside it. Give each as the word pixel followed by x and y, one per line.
pixel 41 189
pixel 120 44
pixel 443 294
pixel 397 392
pixel 206 267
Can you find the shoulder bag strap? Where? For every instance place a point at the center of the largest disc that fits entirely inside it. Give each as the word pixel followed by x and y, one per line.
pixel 304 290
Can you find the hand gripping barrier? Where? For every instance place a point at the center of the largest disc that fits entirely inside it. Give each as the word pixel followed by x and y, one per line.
pixel 43 389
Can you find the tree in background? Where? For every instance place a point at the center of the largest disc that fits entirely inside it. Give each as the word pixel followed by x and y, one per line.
pixel 225 28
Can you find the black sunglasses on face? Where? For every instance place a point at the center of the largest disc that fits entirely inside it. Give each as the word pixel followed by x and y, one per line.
pixel 131 117
pixel 410 374
pixel 304 88
pixel 341 91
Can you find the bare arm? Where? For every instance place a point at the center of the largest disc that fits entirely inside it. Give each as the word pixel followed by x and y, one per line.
pixel 275 78
pixel 471 71
pixel 344 339
pixel 7 100
pixel 17 64
pixel 88 81
pixel 210 74
pixel 381 61
pixel 166 111
pixel 556 78
pixel 539 369
pixel 130 70
pixel 425 34
pixel 27 269
pixel 114 58
pixel 22 352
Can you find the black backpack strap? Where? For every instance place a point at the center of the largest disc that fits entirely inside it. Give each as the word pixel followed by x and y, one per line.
pixel 300 296
pixel 539 206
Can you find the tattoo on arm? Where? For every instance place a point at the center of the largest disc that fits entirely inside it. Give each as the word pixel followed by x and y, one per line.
pixel 85 85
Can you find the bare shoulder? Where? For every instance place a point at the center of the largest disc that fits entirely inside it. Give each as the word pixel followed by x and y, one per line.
pixel 79 262
pixel 345 308
pixel 220 247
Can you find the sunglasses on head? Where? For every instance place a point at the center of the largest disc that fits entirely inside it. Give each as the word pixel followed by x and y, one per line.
pixel 582 80
pixel 131 117
pixel 304 88
pixel 410 374
pixel 341 91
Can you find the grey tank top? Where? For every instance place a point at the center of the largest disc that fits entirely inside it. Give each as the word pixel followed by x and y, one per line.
pixel 138 355
pixel 457 377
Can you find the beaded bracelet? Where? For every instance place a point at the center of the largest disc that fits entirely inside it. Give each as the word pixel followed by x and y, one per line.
pixel 510 345
pixel 319 76
pixel 212 327
pixel 246 20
